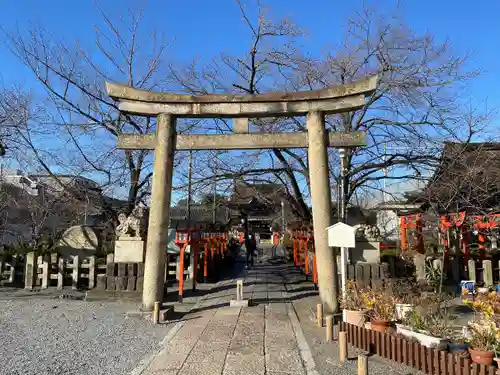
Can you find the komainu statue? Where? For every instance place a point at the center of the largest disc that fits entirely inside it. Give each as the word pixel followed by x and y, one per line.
pixel 133 225
pixel 367 231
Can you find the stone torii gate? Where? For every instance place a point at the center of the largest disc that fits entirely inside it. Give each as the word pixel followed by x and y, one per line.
pixel 168 107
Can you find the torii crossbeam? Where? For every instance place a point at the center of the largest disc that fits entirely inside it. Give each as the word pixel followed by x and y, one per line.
pixel 167 107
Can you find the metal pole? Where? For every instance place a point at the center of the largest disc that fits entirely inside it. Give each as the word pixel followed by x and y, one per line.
pixel 343 250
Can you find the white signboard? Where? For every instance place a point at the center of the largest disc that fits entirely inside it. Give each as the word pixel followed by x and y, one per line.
pixel 341 235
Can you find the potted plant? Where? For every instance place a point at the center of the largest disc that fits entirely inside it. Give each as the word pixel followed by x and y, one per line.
pixel 460 343
pixel 380 308
pixel 483 290
pixel 353 305
pixel 406 296
pixel 483 341
pixel 432 330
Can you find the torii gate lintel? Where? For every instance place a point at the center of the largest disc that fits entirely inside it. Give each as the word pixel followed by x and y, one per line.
pixel 168 107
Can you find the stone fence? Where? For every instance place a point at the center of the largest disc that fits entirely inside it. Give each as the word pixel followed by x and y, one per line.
pixel 12 269
pixel 79 272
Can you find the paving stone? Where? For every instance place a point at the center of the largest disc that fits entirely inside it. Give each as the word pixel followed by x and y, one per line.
pixel 224 321
pixel 278 341
pixel 275 295
pixel 215 339
pixel 202 368
pixel 283 361
pixel 225 311
pixel 219 330
pixel 168 361
pixel 249 330
pixel 301 372
pixel 162 372
pixel 208 351
pixel 179 347
pixel 253 311
pixel 189 333
pixel 244 364
pixel 247 345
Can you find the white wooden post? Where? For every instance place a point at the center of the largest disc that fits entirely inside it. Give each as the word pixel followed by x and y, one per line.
pixel 76 271
pixel 1 264
pixel 60 272
pixel 487 273
pixel 471 265
pixel 239 290
pixel 45 271
pixel 13 264
pixel 31 269
pixel 92 264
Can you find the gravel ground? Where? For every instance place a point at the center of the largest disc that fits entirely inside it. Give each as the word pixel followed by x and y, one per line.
pixel 66 336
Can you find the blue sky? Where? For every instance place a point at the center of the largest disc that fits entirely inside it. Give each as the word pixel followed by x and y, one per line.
pixel 203 29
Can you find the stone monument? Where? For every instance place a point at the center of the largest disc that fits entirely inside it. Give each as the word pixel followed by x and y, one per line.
pixel 130 244
pixel 78 240
pixel 367 248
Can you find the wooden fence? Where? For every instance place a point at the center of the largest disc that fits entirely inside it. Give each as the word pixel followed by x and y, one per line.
pixel 409 353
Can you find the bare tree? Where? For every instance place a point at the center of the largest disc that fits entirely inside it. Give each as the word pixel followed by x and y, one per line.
pixel 14 115
pixel 84 119
pixel 416 105
pixel 415 108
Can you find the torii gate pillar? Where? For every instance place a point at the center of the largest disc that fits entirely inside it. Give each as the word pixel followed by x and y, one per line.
pixel 159 211
pixel 321 209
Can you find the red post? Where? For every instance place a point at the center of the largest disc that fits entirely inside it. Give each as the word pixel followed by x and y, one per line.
pixel 195 247
pixel 181 271
pixel 306 257
pixel 205 260
pixel 402 227
pixel 295 260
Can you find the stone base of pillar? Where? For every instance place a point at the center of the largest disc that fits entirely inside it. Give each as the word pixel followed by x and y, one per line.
pixel 239 303
pixel 166 314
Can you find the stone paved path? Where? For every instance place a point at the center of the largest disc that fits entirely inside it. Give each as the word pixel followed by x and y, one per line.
pixel 265 338
pixel 277 336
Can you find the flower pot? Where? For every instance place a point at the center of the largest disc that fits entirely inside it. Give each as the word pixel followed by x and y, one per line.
pixel 481 357
pixel 423 338
pixel 402 309
pixel 483 290
pixel 354 317
pixel 380 325
pixel 458 347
